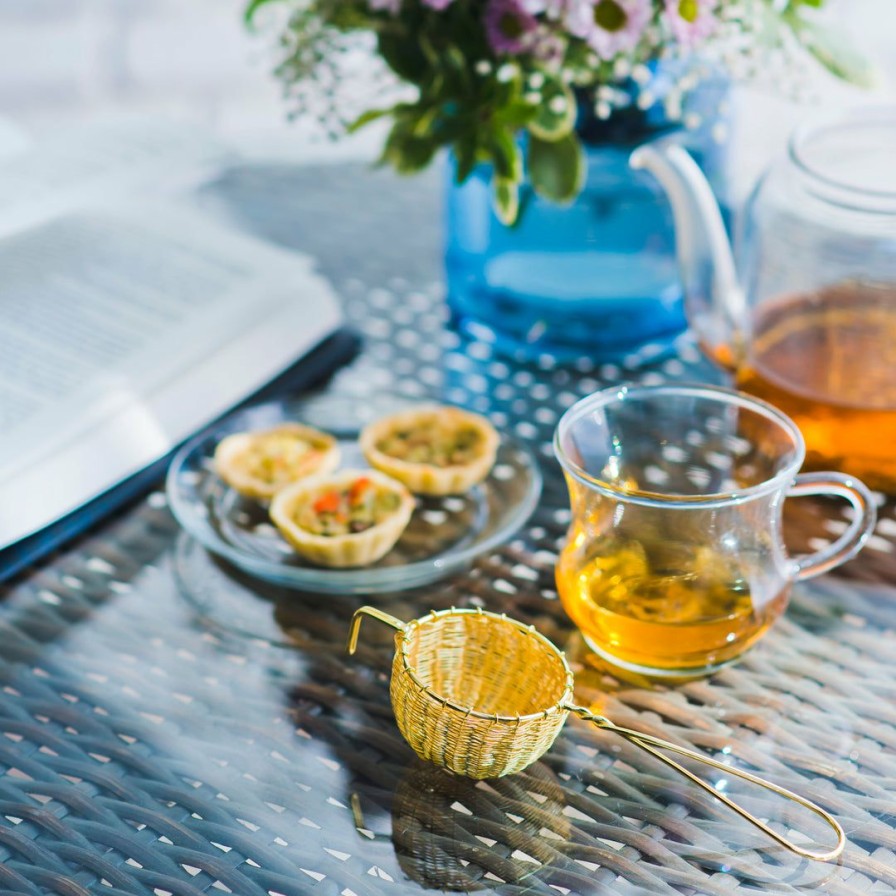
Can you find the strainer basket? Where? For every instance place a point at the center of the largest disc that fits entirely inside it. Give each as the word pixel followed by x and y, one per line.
pixel 484 696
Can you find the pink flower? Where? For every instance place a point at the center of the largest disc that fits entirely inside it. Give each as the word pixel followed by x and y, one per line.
pixel 610 27
pixel 437 4
pixel 690 21
pixel 508 26
pixel 390 6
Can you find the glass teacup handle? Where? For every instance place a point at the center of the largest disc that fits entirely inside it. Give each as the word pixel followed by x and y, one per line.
pixel 654 745
pixel 856 533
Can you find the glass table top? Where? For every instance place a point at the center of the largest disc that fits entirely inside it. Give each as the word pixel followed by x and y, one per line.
pixel 159 737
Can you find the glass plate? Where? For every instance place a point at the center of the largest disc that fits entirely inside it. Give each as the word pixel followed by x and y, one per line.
pixel 444 533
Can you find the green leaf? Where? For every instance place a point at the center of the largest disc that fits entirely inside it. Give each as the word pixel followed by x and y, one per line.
pixel 403 56
pixel 426 122
pixel 253 7
pixel 447 77
pixel 516 114
pixel 406 152
pixel 428 50
pixel 555 115
pixel 367 117
pixel 556 167
pixel 343 16
pixel 834 53
pixel 506 199
pixel 506 156
pixel 465 154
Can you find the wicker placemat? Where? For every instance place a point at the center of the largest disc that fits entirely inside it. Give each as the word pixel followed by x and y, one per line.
pixel 147 750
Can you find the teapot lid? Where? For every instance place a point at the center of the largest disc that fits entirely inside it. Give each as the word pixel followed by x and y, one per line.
pixel 848 159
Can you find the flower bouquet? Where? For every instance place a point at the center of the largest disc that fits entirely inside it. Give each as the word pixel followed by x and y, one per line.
pixel 504 82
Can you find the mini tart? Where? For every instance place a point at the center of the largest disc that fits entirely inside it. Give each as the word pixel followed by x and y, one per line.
pixel 349 518
pixel 259 464
pixel 433 450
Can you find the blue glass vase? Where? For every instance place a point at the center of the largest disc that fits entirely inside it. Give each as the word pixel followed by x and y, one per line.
pixel 595 278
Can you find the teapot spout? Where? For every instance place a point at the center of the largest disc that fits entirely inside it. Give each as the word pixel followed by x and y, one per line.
pixel 714 300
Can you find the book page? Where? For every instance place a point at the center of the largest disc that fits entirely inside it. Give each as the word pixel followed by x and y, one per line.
pixel 121 333
pixel 83 299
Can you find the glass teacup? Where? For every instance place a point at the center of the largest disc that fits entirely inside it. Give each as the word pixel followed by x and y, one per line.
pixel 674 562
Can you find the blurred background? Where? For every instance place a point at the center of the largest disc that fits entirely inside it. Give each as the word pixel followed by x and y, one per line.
pixel 65 61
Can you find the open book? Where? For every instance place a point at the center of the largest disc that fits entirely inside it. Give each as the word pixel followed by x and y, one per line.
pixel 128 319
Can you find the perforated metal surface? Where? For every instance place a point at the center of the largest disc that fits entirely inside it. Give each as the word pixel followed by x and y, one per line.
pixel 145 750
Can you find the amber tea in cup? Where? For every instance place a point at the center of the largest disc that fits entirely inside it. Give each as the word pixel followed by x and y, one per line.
pixel 658 606
pixel 674 562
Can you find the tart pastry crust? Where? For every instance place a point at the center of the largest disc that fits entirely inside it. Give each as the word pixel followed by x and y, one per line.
pixel 259 464
pixel 328 500
pixel 433 449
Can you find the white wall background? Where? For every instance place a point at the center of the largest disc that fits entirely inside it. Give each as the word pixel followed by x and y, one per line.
pixel 68 61
pixel 64 61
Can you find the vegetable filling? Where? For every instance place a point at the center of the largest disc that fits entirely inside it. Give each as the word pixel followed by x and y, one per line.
pixel 433 441
pixel 280 458
pixel 348 510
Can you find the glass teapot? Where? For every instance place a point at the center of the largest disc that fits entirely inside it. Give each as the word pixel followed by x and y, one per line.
pixel 807 318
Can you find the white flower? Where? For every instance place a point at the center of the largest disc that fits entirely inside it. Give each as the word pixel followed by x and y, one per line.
pixel 610 27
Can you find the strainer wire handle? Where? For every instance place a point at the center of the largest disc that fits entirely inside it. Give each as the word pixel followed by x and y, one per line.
pixel 379 615
pixel 648 742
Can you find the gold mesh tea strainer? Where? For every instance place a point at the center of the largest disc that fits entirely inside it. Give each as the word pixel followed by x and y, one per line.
pixel 485 696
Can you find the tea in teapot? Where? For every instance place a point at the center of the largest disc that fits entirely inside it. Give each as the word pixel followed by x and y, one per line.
pixel 827 360
pixel 809 322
